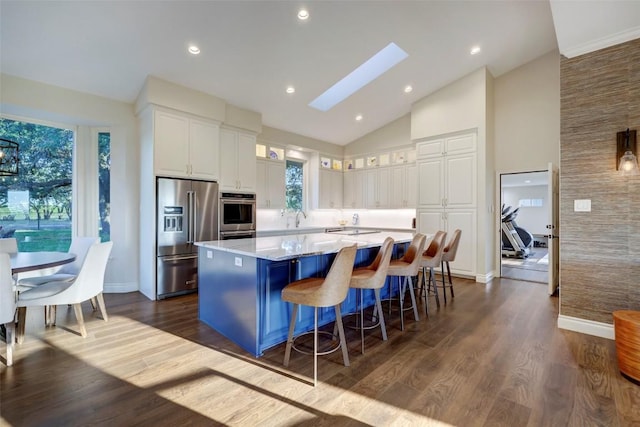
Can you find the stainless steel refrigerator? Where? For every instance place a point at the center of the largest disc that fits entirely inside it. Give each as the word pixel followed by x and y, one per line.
pixel 187 213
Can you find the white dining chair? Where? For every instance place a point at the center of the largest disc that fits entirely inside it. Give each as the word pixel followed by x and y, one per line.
pixel 88 284
pixel 7 304
pixel 66 273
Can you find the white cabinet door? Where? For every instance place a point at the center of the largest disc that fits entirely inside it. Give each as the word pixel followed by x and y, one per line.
pixel 354 190
pixel 465 220
pixel 204 146
pixel 330 190
pixel 431 183
pixel 403 186
pixel 171 144
pixel 428 149
pixel 411 186
pixel 228 160
pixel 246 162
pixel 460 144
pixel 270 184
pixel 430 221
pixel 460 181
pixel 377 188
pixel 276 185
pixel 237 161
pixel 262 192
pixel 397 198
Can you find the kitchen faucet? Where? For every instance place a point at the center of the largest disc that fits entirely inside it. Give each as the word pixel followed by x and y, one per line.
pixel 298 217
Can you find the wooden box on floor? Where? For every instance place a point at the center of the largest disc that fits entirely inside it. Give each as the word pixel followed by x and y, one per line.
pixel 627 334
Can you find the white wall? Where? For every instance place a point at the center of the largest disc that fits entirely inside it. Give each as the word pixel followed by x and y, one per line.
pixel 527 116
pixel 395 134
pixel 532 219
pixel 284 138
pixel 29 99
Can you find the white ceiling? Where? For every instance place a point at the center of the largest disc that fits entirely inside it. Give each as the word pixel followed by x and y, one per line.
pixel 252 50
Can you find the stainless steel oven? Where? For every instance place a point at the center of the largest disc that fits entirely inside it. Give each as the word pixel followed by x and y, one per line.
pixel 230 235
pixel 237 213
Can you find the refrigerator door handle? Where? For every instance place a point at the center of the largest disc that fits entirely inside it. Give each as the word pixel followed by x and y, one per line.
pixel 194 217
pixel 189 216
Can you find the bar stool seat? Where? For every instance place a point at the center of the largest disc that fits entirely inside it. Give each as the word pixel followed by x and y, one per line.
pixel 373 277
pixel 330 291
pixel 408 267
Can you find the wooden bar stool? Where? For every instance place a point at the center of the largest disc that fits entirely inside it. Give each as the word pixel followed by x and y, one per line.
pixel 449 255
pixel 373 277
pixel 330 291
pixel 408 267
pixel 431 259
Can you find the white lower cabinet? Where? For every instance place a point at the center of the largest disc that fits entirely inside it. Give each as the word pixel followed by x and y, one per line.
pixel 270 184
pixel 430 221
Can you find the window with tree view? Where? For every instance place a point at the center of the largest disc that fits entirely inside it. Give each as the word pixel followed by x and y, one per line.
pixel 104 185
pixel 294 185
pixel 35 205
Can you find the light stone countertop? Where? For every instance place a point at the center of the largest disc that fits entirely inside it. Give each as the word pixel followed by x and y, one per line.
pixel 278 248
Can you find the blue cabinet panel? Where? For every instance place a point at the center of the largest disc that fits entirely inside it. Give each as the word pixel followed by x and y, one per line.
pixel 240 296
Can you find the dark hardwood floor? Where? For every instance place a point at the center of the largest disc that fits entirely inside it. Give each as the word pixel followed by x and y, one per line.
pixel 492 357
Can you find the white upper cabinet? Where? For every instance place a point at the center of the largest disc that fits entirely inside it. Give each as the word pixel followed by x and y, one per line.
pixel 270 184
pixel 237 161
pixel 377 185
pixel 447 173
pixel 354 190
pixel 404 180
pixel 185 147
pixel 330 189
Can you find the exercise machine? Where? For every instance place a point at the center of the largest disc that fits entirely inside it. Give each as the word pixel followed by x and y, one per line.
pixel 516 241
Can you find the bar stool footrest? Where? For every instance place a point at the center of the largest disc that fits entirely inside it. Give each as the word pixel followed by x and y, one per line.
pixel 320 334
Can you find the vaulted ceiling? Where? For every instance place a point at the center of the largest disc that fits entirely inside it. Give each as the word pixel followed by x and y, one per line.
pixel 251 51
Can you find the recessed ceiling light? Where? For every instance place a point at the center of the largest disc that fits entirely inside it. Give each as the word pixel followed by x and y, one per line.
pixel 475 50
pixel 408 89
pixel 303 14
pixel 194 50
pixel 291 89
pixel 527 181
pixel 359 117
pixel 370 70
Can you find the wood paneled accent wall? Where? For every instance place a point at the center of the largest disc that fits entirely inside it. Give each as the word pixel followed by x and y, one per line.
pixel 599 250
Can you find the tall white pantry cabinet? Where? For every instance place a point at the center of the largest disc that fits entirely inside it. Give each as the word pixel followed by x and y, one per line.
pixel 447 193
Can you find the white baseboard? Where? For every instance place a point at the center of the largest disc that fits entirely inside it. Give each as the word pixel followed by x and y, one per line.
pixel 120 288
pixel 589 327
pixel 485 278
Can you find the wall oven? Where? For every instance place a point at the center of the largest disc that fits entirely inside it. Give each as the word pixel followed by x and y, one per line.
pixel 237 215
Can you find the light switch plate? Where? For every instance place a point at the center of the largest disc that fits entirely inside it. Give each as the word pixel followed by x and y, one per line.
pixel 582 205
pixel 209 254
pixel 238 261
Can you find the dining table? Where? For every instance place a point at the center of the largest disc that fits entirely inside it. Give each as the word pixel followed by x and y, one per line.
pixel 29 261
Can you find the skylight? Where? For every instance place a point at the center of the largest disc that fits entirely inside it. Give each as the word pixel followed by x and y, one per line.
pixel 370 70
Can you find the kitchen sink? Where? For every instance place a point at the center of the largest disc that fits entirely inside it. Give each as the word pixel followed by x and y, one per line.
pixel 351 232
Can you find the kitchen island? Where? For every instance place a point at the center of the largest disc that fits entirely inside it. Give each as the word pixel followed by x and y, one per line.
pixel 240 282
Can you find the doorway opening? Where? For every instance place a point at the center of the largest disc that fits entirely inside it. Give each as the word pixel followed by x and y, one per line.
pixel 524 219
